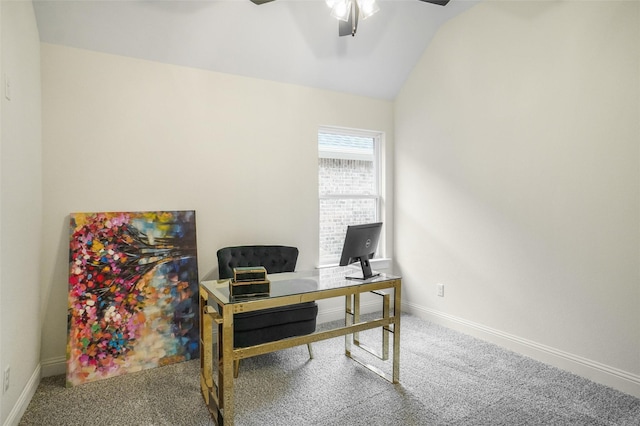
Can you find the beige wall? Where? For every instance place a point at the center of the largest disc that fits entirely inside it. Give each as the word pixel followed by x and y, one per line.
pixel 517 176
pixel 517 182
pixel 123 135
pixel 20 207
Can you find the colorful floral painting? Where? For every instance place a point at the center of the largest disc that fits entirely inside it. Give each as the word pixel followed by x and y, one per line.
pixel 133 293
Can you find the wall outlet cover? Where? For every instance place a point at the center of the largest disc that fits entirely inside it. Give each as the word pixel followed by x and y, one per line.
pixel 5 379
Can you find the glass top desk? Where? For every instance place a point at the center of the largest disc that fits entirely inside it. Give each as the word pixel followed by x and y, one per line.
pixel 217 307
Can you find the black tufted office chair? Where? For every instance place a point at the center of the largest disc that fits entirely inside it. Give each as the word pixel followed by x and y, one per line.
pixel 267 325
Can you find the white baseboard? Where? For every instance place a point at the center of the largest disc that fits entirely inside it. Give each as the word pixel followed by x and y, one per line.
pixel 25 398
pixel 623 381
pixel 54 366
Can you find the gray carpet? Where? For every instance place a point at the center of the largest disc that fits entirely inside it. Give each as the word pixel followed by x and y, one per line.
pixel 446 378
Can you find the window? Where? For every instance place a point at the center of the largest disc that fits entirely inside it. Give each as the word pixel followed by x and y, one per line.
pixel 349 187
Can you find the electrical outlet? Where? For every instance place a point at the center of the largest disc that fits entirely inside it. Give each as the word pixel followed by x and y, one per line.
pixel 440 289
pixel 5 380
pixel 7 87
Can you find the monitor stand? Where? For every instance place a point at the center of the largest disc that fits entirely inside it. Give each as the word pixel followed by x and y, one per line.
pixel 366 271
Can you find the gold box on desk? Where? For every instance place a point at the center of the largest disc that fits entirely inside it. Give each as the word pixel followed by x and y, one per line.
pixel 249 273
pixel 249 282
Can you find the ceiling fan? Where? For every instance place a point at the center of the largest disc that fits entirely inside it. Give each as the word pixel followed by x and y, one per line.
pixel 349 11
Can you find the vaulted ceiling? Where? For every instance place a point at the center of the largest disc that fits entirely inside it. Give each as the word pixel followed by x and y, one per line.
pixel 291 41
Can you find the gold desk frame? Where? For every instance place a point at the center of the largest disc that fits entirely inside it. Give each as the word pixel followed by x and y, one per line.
pixel 217 357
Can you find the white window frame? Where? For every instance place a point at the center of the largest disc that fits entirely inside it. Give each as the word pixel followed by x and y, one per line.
pixel 377 138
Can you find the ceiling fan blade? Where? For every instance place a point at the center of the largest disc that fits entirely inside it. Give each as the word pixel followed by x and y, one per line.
pixel 438 2
pixel 349 27
pixel 345 28
pixel 259 2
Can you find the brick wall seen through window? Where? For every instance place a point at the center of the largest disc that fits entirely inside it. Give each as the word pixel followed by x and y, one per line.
pixel 348 188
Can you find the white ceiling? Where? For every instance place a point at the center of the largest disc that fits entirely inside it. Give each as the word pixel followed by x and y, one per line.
pixel 292 41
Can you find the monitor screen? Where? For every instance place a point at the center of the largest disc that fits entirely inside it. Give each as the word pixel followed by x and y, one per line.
pixel 360 244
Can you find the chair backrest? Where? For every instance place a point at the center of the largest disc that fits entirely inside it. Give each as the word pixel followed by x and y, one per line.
pixel 275 259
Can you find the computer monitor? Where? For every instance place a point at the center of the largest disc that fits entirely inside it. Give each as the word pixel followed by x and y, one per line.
pixel 360 244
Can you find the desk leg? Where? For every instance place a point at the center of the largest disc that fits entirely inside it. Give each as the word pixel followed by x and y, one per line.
pixel 210 323
pixel 226 362
pixel 348 320
pixel 206 329
pixel 352 316
pixel 385 329
pixel 396 331
pixel 356 317
pixel 383 354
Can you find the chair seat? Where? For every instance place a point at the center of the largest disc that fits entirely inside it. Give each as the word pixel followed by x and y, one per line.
pixel 275 316
pixel 269 325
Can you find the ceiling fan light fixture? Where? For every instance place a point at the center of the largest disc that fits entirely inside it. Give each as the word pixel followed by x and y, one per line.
pixel 340 9
pixel 349 11
pixel 368 8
